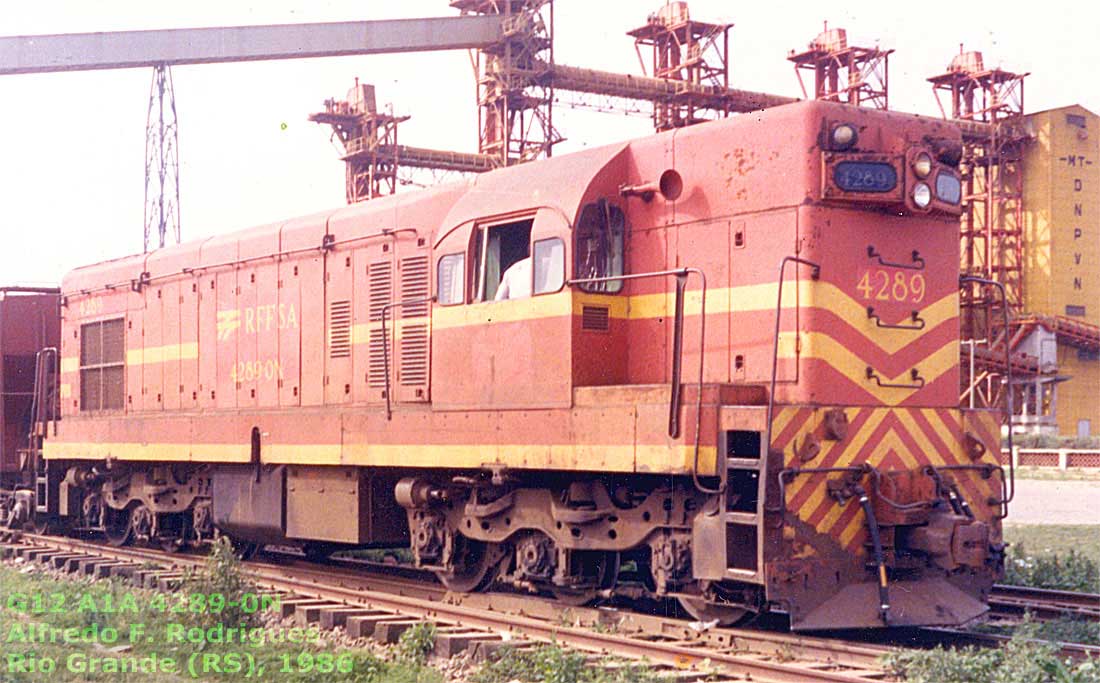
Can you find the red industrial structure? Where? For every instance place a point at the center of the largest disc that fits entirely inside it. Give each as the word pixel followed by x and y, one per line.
pixel 992 227
pixel 683 49
pixel 853 75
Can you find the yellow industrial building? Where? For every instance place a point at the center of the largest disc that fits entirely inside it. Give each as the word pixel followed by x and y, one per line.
pixel 1061 275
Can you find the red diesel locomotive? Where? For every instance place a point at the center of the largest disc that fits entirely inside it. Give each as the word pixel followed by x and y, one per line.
pixel 726 354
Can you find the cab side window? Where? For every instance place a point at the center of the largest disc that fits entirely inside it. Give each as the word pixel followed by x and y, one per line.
pixel 600 234
pixel 549 265
pixel 451 279
pixel 502 254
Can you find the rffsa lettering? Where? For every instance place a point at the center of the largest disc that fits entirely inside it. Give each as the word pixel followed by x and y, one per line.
pixel 269 317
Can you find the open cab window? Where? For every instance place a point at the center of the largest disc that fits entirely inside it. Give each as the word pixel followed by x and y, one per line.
pixel 497 249
pixel 600 234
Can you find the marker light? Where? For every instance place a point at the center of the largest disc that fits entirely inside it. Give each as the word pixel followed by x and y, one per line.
pixel 922 164
pixel 844 136
pixel 922 195
pixel 948 188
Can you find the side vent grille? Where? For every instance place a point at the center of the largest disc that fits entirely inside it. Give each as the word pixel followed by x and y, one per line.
pixel 339 329
pixel 414 355
pixel 379 283
pixel 414 285
pixel 380 293
pixel 595 318
pixel 379 345
pixel 413 369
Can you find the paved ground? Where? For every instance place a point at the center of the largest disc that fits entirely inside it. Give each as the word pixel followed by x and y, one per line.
pixel 1055 502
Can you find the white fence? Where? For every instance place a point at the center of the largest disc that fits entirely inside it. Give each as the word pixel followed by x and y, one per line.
pixel 1060 458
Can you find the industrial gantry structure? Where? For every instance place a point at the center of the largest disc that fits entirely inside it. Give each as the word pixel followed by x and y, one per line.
pixel 853 75
pixel 518 81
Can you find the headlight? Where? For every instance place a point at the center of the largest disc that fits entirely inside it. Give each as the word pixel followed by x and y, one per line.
pixel 922 164
pixel 922 195
pixel 844 136
pixel 948 188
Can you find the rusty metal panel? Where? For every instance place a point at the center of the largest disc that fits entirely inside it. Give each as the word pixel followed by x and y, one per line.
pixel 328 503
pixel 270 319
pixel 247 337
pixel 153 373
pixel 339 293
pixel 170 352
pixel 312 271
pixel 290 334
pixel 708 547
pixel 189 342
pixel 228 326
pixel 249 502
pixel 207 318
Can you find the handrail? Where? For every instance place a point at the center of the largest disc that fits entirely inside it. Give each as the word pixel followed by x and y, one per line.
pixel 918 260
pixel 815 273
pixel 681 275
pixel 41 412
pixel 1009 409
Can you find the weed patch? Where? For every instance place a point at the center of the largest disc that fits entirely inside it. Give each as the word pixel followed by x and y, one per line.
pixel 1019 661
pixel 554 664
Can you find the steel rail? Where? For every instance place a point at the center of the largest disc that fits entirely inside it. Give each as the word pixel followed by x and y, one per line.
pixel 723 649
pixel 1044 603
pixel 671 653
pixel 956 638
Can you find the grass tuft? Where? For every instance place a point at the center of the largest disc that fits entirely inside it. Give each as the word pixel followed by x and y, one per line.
pixel 1020 661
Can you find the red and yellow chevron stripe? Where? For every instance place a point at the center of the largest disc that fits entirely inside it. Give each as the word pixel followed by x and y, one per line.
pixel 888 439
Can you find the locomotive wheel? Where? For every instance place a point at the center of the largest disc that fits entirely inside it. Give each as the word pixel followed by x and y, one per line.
pixel 717 608
pixel 701 610
pixel 475 565
pixel 173 532
pixel 317 552
pixel 42 525
pixel 117 527
pixel 245 550
pixel 603 567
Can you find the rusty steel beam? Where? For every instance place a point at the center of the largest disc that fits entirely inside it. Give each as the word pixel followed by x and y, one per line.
pixel 660 90
pixel 133 49
pixel 441 160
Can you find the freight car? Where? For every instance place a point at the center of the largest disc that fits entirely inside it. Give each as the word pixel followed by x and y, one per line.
pixel 29 323
pixel 726 355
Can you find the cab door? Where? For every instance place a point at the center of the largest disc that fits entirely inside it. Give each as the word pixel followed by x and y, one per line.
pixel 503 353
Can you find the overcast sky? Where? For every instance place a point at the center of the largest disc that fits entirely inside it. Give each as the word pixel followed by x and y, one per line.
pixel 72 145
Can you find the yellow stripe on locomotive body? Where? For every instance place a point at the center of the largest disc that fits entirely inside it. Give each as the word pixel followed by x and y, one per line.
pixel 624 458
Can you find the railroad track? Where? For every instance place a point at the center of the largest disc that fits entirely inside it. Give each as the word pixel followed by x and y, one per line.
pixel 1044 603
pixel 383 607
